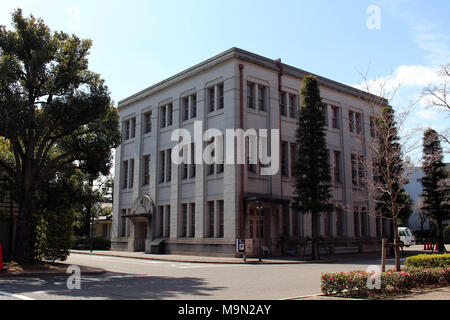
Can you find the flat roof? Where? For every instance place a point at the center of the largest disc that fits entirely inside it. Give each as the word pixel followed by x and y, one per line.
pixel 253 58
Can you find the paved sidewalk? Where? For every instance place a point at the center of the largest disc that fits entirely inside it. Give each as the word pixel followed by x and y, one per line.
pixel 192 259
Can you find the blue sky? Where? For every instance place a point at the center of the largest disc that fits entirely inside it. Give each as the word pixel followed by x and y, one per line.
pixel 138 43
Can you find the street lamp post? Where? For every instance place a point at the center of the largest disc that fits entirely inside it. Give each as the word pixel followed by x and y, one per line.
pixel 259 229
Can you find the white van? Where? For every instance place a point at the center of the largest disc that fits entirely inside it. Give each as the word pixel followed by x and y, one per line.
pixel 406 236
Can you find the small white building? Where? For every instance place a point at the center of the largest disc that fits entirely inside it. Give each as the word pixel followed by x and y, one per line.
pixel 203 209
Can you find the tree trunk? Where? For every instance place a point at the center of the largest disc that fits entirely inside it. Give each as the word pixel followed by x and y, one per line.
pixel 25 234
pixel 396 245
pixel 441 246
pixel 315 251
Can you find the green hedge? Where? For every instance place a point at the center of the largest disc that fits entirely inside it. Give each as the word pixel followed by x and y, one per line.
pixel 447 235
pixel 84 243
pixel 429 261
pixel 355 284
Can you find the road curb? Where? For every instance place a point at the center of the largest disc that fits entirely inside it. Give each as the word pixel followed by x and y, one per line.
pixel 168 259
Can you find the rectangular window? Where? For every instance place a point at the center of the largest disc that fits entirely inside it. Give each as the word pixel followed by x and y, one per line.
pixel 193 167
pixel 146 170
pixel 211 214
pixel 131 173
pixel 161 221
pixel 211 167
pixel 293 156
pixel 294 223
pixel 250 96
pixel 373 130
pixel 183 220
pixel 378 227
pixel 335 117
pixel 283 110
pixel 356 222
pixel 167 212
pixel 327 224
pixel 194 106
pixel 185 108
pixel 123 224
pixel 351 121
pixel 221 218
pixel 162 117
pixel 148 122
pixel 169 165
pixel 221 101
pixel 211 99
pixel 361 171
pixel 358 122
pixel 292 106
pixel 169 114
pixel 261 98
pixel 354 162
pixel 325 114
pixel 133 128
pixel 364 222
pixel 284 159
pixel 337 167
pixel 162 173
pixel 126 130
pixel 192 231
pixel 125 175
pixel 339 222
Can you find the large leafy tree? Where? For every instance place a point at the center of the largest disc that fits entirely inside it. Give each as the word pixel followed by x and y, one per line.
pixel 54 114
pixel 436 191
pixel 312 168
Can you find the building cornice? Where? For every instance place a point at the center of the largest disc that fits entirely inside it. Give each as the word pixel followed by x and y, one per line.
pixel 253 58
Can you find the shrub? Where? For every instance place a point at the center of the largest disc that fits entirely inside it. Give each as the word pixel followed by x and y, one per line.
pixel 84 243
pixel 447 235
pixel 355 283
pixel 429 261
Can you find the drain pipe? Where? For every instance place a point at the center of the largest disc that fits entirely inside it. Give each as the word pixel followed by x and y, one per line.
pixel 241 106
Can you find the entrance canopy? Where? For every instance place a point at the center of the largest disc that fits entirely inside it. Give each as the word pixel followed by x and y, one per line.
pixel 142 207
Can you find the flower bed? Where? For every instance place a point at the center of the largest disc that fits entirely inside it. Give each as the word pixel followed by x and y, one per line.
pixel 429 261
pixel 356 284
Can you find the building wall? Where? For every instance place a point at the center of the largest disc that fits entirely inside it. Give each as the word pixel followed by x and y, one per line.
pixel 226 186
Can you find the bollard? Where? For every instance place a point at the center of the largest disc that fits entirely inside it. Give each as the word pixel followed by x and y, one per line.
pixel 424 245
pixel 2 270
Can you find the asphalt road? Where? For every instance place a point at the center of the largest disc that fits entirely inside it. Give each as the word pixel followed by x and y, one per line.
pixel 145 279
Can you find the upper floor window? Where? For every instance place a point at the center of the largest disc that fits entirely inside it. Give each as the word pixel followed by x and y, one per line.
pixel 189 107
pixel 284 159
pixel 250 95
pixel 166 115
pixel 261 98
pixel 283 102
pixel 355 122
pixel 335 117
pixel 129 129
pixel 373 127
pixel 221 102
pixel 148 122
pixel 292 106
pixel 325 114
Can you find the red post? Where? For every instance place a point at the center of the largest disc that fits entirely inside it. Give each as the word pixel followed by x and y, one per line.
pixel 424 245
pixel 2 270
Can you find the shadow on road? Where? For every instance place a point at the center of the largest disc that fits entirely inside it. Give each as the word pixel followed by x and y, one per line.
pixel 112 286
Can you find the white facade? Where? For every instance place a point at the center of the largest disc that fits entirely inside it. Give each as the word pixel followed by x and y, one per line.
pixel 206 211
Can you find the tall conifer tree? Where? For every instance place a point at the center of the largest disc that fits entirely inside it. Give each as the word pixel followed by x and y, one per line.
pixel 312 168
